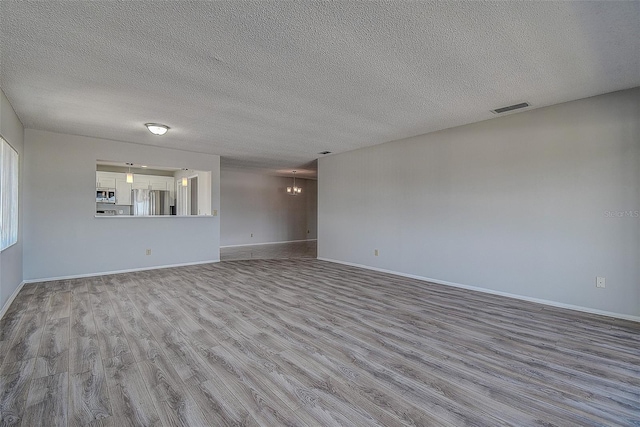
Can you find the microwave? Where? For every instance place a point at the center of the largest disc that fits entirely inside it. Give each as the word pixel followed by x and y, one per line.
pixel 105 195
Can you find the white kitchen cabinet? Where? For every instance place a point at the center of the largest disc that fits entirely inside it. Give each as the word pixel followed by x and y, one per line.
pixel 123 192
pixel 106 179
pixel 140 182
pixel 157 183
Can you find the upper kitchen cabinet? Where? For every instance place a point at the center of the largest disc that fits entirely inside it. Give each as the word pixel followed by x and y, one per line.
pixel 106 179
pixel 141 183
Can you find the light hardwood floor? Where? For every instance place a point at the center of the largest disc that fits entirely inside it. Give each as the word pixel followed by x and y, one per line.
pixel 285 342
pixel 306 249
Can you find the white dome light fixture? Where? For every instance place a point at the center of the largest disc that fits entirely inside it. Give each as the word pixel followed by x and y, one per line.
pixel 157 128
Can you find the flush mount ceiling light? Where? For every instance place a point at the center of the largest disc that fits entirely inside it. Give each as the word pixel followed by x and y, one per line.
pixel 129 174
pixel 157 128
pixel 294 191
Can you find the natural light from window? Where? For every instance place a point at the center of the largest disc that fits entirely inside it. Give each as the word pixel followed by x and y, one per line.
pixel 8 195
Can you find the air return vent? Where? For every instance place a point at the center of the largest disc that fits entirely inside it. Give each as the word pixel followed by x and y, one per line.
pixel 510 108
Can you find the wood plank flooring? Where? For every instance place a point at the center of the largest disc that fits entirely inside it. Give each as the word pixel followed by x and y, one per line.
pixel 305 249
pixel 306 343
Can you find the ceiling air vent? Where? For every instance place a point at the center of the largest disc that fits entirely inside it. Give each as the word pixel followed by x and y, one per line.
pixel 325 152
pixel 510 108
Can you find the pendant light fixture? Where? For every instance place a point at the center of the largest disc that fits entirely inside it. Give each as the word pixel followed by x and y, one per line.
pixel 184 178
pixel 295 190
pixel 157 128
pixel 129 174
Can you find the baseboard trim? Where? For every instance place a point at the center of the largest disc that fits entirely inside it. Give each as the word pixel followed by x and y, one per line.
pixel 106 273
pixel 490 291
pixel 268 243
pixel 10 300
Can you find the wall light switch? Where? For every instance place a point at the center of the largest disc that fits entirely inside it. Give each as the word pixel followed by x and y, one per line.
pixel 215 212
pixel 375 252
pixel 600 282
pixel 148 251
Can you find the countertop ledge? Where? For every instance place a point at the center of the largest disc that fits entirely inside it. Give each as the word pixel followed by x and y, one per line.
pixel 154 216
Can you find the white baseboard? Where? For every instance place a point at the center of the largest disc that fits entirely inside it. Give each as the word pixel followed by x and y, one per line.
pixel 267 243
pixel 489 291
pixel 106 273
pixel 10 300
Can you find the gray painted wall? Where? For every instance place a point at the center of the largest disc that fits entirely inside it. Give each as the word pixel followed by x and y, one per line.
pixel 256 203
pixel 525 204
pixel 11 258
pixel 62 236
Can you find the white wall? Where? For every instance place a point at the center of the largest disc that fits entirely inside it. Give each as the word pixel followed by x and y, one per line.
pixel 259 204
pixel 519 204
pixel 62 237
pixel 11 258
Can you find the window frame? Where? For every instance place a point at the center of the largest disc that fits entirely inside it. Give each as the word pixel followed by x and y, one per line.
pixel 14 187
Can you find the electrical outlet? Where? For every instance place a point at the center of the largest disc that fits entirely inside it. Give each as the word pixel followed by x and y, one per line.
pixel 308 231
pixel 215 212
pixel 600 282
pixel 148 251
pixel 251 234
pixel 375 252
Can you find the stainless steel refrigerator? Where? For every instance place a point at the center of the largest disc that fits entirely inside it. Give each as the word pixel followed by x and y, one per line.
pixel 150 202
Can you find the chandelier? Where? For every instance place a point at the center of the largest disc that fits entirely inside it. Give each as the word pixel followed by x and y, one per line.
pixel 295 190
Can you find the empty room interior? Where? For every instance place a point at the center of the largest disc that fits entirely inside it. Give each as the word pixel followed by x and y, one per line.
pixel 319 213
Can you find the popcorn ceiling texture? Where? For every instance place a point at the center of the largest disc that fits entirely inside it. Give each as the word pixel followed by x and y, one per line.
pixel 271 84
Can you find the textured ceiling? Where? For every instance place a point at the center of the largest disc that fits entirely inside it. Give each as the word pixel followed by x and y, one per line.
pixel 271 84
